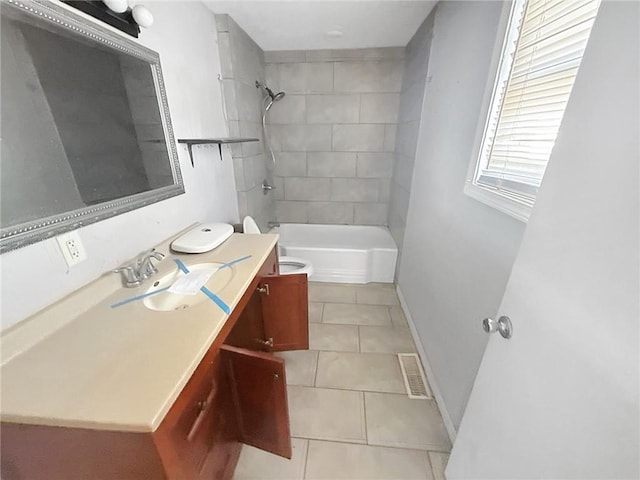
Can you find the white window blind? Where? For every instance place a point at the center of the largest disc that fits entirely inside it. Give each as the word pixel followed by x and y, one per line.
pixel 540 59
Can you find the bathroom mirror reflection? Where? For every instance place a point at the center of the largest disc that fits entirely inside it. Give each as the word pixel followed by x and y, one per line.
pixel 85 126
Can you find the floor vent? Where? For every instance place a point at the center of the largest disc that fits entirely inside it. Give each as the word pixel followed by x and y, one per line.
pixel 414 379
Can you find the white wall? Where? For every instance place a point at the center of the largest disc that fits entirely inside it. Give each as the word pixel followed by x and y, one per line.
pixel 184 34
pixel 458 253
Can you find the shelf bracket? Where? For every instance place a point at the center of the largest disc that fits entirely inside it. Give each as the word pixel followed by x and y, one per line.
pixel 190 142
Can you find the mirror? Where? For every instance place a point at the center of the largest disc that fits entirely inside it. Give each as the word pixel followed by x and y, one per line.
pixel 84 125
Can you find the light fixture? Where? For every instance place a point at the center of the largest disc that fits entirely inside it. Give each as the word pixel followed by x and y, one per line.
pixel 118 6
pixel 142 16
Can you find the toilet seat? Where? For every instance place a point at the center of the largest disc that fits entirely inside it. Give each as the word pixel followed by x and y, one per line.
pixel 291 265
pixel 288 265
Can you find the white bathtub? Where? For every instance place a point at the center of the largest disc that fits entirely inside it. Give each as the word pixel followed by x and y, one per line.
pixel 341 253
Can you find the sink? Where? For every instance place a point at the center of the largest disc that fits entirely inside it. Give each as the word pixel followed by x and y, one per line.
pixel 165 301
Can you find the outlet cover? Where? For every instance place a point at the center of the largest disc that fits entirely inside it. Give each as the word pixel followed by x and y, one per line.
pixel 71 247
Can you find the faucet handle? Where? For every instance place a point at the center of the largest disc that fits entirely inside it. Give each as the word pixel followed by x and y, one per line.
pixel 129 275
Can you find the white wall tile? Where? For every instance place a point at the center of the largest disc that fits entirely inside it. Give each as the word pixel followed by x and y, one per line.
pixel 229 97
pixel 251 130
pixel 301 138
pixel 338 213
pixel 289 110
pixel 333 108
pixel 305 77
pixel 285 56
pixel 354 138
pixel 354 190
pixel 375 165
pixel 291 212
pixel 224 46
pixel 291 164
pixel 222 23
pixel 358 54
pixel 278 188
pixel 238 171
pixel 371 213
pixel 351 103
pixel 390 138
pixel 248 100
pixel 254 171
pixel 309 189
pixel 379 107
pixel 331 164
pixel 271 76
pixel 368 76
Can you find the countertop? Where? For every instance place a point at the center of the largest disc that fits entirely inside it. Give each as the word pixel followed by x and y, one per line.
pixel 121 368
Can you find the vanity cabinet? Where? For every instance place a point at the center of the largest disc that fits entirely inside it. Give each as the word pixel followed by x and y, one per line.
pixel 236 395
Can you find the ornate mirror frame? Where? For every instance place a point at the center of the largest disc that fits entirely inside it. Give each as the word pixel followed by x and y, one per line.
pixel 17 236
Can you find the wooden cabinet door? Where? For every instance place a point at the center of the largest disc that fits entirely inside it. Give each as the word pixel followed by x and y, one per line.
pixel 248 332
pixel 285 311
pixel 258 385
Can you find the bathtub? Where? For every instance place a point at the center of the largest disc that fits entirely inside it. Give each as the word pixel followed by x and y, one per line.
pixel 341 253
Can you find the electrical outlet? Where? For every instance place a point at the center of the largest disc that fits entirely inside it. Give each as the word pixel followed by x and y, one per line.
pixel 71 247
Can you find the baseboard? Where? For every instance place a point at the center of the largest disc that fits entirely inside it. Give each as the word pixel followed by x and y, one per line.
pixel 427 368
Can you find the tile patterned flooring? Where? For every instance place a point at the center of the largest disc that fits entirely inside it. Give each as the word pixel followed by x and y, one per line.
pixel 350 416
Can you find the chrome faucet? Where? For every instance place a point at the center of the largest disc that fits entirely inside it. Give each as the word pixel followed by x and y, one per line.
pixel 134 273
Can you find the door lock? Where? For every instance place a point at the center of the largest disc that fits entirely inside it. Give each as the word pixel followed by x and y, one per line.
pixel 502 325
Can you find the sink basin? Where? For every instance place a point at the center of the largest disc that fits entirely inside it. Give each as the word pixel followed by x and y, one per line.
pixel 166 301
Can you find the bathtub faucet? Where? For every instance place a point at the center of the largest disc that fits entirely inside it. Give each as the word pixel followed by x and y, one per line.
pixel 266 187
pixel 271 225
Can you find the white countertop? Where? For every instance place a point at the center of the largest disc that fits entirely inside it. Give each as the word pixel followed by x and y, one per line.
pixel 120 368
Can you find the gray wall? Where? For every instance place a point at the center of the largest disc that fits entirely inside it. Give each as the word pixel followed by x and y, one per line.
pixel 569 377
pixel 242 63
pixel 411 99
pixel 334 133
pixel 458 253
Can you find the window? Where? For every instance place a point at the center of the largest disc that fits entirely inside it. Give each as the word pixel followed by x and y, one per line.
pixel 539 61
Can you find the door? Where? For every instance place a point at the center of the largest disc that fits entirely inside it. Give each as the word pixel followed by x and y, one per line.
pixel 258 385
pixel 559 399
pixel 285 311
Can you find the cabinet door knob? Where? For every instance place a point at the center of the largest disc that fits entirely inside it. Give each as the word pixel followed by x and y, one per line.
pixel 267 343
pixel 276 376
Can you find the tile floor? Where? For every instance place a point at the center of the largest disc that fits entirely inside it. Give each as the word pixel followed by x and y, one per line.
pixel 350 416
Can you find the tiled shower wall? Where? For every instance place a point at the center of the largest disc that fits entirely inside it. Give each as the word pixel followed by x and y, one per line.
pixel 334 133
pixel 411 99
pixel 242 63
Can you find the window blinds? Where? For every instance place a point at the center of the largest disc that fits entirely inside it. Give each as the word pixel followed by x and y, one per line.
pixel 540 60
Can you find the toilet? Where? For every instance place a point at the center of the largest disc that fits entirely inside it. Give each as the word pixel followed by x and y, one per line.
pixel 288 265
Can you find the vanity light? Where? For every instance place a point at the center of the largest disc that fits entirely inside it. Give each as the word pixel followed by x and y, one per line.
pixel 142 16
pixel 118 6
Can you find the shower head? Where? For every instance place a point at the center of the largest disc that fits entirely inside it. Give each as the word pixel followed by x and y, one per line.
pixel 274 96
